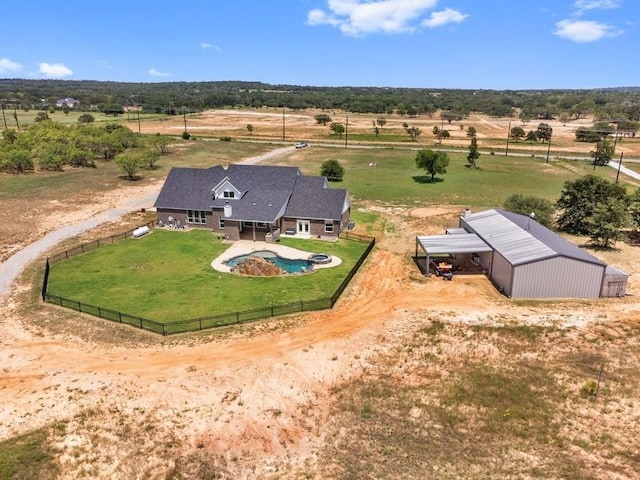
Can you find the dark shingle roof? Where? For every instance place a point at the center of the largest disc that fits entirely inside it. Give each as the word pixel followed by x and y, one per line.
pixel 267 191
pixel 313 200
pixel 189 188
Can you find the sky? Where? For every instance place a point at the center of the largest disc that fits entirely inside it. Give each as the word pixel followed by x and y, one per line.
pixel 460 44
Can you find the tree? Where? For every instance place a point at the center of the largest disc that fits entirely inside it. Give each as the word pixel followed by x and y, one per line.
pixel 250 128
pixel 15 160
pixel 381 122
pixel 9 135
pixel 542 208
pixel 66 109
pixel 86 118
pixel 602 154
pixel 322 119
pixel 634 209
pixel 160 143
pixel 471 132
pixel 414 133
pixel 517 133
pixel 337 128
pixel 544 132
pixel 432 162
pixel 582 198
pixel 607 221
pixel 41 117
pixel 113 109
pixel 586 134
pixel 130 162
pixel 332 170
pixel 474 154
pixel 532 136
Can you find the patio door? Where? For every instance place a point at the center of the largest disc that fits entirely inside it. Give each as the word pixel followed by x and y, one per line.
pixel 304 226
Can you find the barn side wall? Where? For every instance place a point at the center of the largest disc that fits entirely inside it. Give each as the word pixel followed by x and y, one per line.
pixel 557 277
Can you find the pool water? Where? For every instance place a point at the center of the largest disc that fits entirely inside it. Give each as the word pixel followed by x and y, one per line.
pixel 289 265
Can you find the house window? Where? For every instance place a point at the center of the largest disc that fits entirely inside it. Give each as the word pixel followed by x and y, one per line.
pixel 221 223
pixel 229 194
pixel 328 226
pixel 261 224
pixel 196 216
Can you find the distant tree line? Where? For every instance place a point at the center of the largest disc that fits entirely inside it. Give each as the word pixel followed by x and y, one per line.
pixel 619 104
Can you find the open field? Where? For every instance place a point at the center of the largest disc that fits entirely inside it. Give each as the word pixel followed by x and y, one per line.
pixel 407 377
pixel 268 124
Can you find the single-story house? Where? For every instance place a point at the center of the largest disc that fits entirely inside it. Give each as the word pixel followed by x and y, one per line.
pixel 525 259
pixel 68 101
pixel 253 202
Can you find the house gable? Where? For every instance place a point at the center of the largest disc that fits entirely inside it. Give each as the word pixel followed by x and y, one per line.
pixel 226 190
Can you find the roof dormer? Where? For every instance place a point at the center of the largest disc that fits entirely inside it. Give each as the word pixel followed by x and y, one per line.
pixel 226 190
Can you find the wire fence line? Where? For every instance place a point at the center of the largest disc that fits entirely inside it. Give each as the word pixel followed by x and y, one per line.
pixel 202 323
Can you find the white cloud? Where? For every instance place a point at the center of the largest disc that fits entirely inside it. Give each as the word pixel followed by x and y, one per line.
pixel 583 31
pixel 156 73
pixel 448 15
pixel 209 46
pixel 360 17
pixel 54 70
pixel 582 6
pixel 7 66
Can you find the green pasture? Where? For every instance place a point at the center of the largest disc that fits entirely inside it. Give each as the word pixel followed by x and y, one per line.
pixel 395 180
pixel 167 276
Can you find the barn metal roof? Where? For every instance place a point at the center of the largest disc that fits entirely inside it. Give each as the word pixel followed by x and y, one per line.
pixel 521 239
pixel 458 243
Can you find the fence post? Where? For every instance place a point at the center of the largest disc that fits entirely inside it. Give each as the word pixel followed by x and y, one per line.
pixel 45 281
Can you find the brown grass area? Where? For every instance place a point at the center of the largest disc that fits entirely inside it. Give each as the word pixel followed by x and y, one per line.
pixel 407 377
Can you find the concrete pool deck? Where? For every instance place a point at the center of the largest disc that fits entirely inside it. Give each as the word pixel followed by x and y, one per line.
pixel 243 247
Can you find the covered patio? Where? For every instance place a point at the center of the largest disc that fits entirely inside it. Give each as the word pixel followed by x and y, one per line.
pixel 460 251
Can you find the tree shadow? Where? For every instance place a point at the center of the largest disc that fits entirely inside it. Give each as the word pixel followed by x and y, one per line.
pixel 426 179
pixel 135 178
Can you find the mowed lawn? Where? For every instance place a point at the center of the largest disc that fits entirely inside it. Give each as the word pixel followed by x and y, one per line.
pixel 167 276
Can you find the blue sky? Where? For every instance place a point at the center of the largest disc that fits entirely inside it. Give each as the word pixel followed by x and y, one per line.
pixel 475 44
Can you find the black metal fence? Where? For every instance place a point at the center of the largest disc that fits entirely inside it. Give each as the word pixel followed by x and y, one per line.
pixel 195 324
pixel 88 246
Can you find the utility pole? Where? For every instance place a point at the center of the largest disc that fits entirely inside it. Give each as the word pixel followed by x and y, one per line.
pixel 506 153
pixel 184 114
pixel 619 166
pixel 549 146
pixel 4 118
pixel 615 140
pixel 346 132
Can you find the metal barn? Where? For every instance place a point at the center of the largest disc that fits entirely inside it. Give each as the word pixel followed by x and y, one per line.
pixel 530 261
pixel 526 260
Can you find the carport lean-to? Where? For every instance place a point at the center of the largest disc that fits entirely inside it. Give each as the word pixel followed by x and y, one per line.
pixel 450 244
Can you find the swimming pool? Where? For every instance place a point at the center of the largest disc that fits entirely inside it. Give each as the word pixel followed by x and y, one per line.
pixel 288 264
